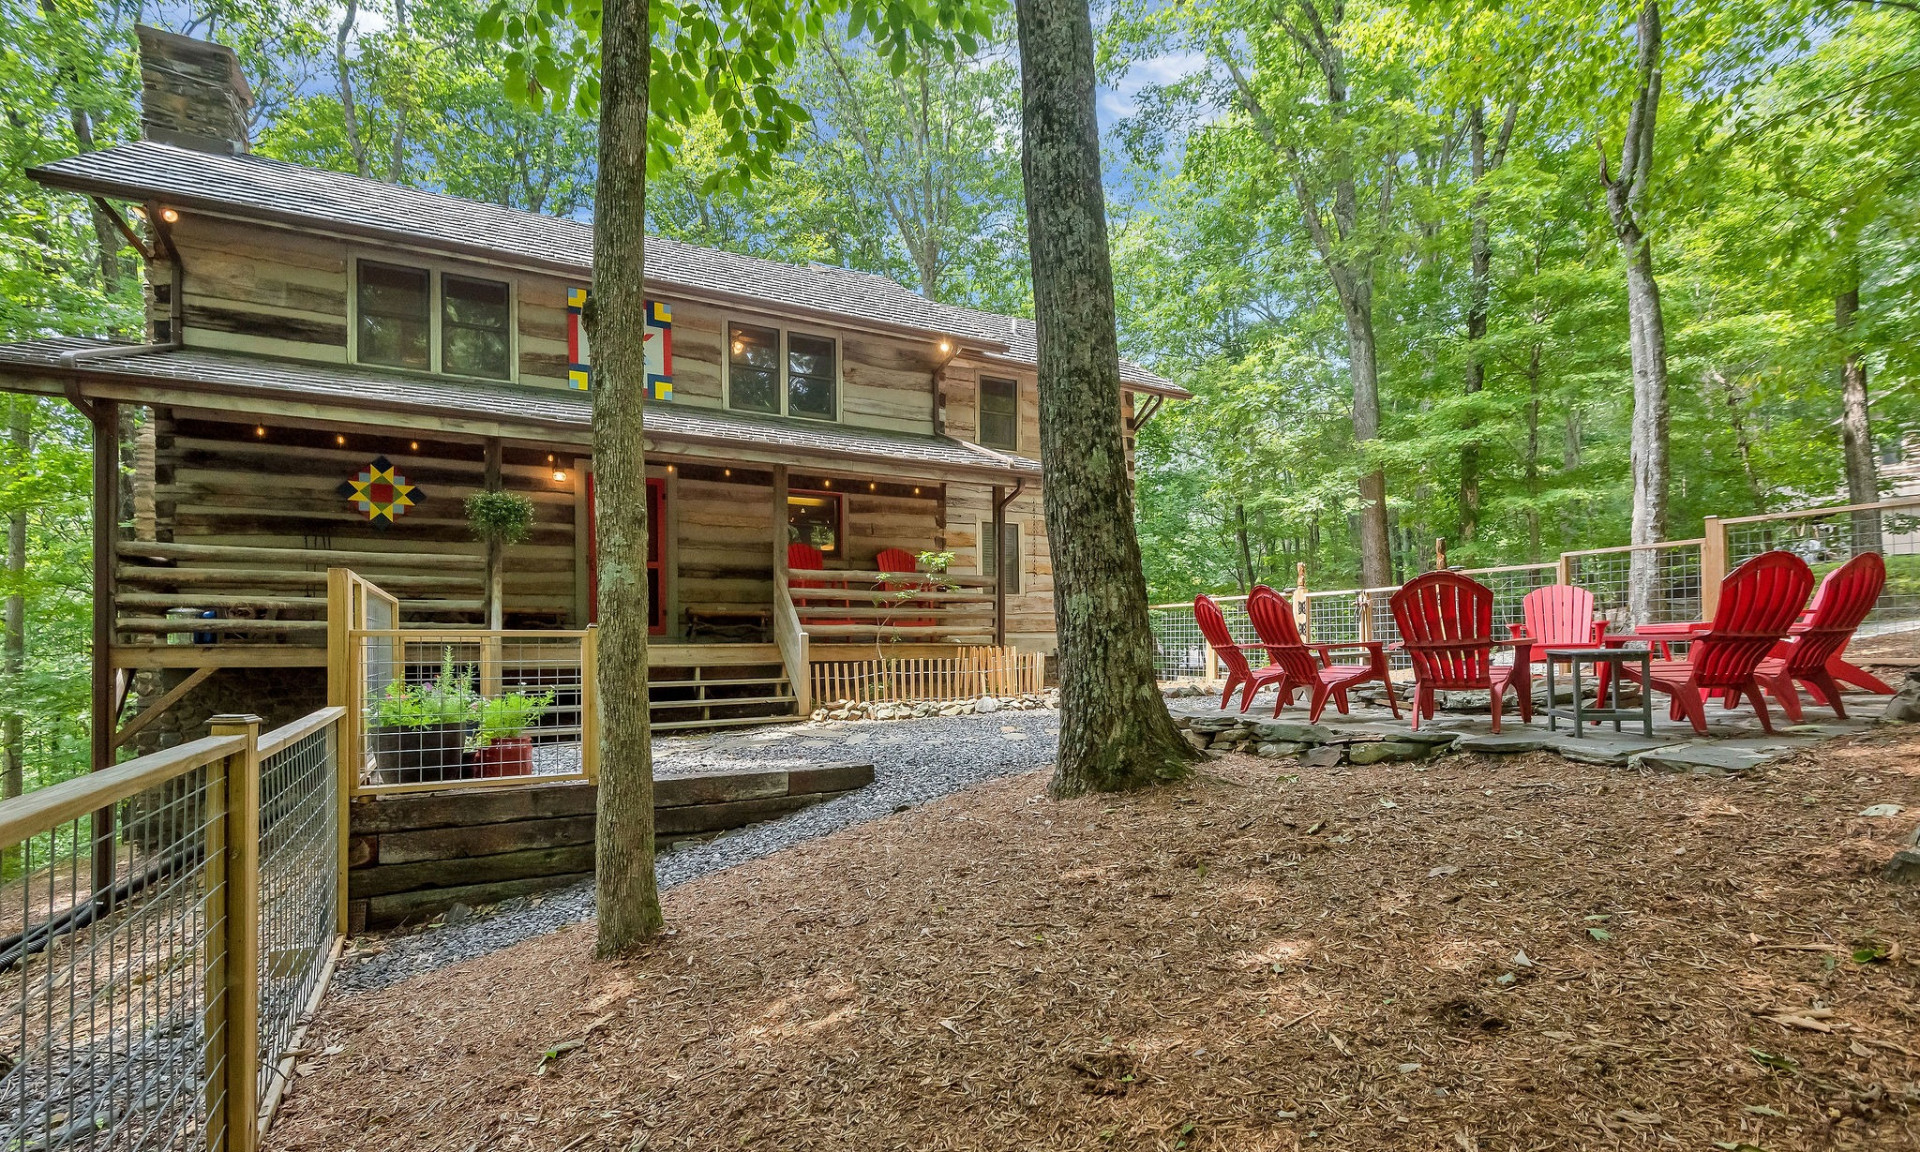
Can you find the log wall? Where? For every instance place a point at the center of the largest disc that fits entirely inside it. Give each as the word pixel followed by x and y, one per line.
pixel 413 857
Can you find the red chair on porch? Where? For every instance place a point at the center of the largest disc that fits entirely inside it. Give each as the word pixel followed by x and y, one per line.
pixel 1311 666
pixel 1759 602
pixel 1446 628
pixel 1213 628
pixel 1558 616
pixel 1814 644
pixel 807 558
pixel 891 560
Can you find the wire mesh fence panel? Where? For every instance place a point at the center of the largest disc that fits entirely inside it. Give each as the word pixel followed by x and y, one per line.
pixel 451 707
pixel 1179 652
pixel 111 984
pixel 1676 592
pixel 1826 541
pixel 1510 587
pixel 299 870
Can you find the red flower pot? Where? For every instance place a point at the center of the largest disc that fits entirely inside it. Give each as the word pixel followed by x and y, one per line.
pixel 510 757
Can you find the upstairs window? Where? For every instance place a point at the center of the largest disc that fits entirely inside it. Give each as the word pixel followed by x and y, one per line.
pixel 395 316
pixel 476 328
pixel 1000 413
pixel 782 373
pixel 424 321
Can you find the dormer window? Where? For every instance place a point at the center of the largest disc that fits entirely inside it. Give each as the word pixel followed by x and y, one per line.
pixel 427 321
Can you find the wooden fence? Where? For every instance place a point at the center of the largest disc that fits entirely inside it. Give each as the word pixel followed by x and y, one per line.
pixel 973 672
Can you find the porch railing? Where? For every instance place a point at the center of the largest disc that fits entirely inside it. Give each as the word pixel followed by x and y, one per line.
pixel 852 606
pixel 158 1006
pixel 791 639
pixel 966 675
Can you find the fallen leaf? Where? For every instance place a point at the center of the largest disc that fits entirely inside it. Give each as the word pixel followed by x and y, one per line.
pixel 555 1052
pixel 1792 1021
pixel 1882 810
pixel 1600 934
pixel 1443 870
pixel 1645 1119
pixel 1763 1110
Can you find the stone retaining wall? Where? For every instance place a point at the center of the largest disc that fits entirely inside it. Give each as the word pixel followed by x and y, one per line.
pixel 411 857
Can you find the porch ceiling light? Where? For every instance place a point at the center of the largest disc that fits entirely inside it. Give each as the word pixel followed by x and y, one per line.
pixel 946 345
pixel 559 475
pixel 169 215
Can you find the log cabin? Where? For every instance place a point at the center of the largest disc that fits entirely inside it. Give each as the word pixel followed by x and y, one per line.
pixel 331 365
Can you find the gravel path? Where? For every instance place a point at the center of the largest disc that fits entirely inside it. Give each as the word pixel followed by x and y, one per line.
pixel 913 761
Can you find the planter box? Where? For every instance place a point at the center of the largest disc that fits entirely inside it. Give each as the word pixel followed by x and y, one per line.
pixel 420 755
pixel 509 757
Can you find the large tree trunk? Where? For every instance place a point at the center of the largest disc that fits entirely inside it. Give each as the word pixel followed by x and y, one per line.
pixel 1626 205
pixel 1856 424
pixel 1376 554
pixel 1533 455
pixel 1114 729
pixel 1248 576
pixel 1479 293
pixel 627 898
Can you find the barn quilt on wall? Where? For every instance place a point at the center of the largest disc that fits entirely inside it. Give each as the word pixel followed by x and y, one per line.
pixel 659 339
pixel 382 492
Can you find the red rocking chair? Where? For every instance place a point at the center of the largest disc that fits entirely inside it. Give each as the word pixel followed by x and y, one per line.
pixel 1446 628
pixel 1759 602
pixel 1814 645
pixel 1310 666
pixel 1213 628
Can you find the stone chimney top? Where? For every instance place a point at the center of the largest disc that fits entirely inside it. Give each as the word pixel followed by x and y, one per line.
pixel 193 94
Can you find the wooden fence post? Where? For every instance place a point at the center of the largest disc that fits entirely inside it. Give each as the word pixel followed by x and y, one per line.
pixel 1713 564
pixel 1302 607
pixel 343 690
pixel 1563 569
pixel 1363 609
pixel 590 704
pixel 240 969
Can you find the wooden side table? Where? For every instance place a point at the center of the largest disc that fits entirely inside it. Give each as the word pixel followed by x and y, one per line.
pixel 1610 661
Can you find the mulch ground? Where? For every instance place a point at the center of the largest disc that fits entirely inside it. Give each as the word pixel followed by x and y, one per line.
pixel 1473 953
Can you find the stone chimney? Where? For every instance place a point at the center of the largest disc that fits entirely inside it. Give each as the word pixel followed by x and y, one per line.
pixel 193 94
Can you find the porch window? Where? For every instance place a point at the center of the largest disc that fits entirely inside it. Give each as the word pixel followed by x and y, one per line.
pixel 781 373
pixel 1007 555
pixel 1000 413
pixel 395 316
pixel 476 328
pixel 814 518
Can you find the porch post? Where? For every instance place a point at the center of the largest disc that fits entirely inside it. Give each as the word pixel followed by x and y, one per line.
pixel 106 696
pixel 779 517
pixel 999 566
pixel 496 551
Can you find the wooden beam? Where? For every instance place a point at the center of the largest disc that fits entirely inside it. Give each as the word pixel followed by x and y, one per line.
pixel 104 718
pixel 136 657
pixel 334 557
pixel 496 550
pixel 154 710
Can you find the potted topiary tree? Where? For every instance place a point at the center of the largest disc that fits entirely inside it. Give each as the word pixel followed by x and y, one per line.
pixel 418 733
pixel 498 519
pixel 501 746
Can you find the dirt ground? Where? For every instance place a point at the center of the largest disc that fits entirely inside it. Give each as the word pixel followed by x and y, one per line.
pixel 1472 953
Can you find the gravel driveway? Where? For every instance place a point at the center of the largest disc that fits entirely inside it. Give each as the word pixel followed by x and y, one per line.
pixel 913 761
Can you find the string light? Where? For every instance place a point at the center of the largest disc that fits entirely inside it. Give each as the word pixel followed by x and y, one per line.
pixel 916 491
pixel 946 346
pixel 872 487
pixel 559 475
pixel 340 440
pixel 260 430
pixel 414 445
pixel 726 471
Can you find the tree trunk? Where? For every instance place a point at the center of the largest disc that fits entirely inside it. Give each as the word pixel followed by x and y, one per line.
pixel 1856 425
pixel 397 149
pixel 1246 548
pixel 1742 439
pixel 1533 455
pixel 626 894
pixel 343 78
pixel 1480 267
pixel 1114 729
pixel 1376 554
pixel 1626 204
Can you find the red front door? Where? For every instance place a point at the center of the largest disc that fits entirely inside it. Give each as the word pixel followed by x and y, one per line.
pixel 656 555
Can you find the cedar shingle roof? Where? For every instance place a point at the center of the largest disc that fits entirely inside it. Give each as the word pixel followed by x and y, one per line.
pixel 257 187
pixel 216 374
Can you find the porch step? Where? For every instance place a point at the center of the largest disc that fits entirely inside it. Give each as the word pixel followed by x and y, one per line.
pixel 718 702
pixel 690 725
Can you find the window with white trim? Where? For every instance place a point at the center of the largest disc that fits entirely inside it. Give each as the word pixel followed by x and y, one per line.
pixel 782 373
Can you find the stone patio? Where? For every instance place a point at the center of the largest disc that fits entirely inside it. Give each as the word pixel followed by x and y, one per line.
pixel 1370 735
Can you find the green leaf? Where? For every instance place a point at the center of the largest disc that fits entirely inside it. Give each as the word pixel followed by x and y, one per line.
pixel 1600 934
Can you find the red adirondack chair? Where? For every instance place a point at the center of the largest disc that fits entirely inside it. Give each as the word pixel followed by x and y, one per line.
pixel 1759 602
pixel 1311 666
pixel 1558 616
pixel 806 558
pixel 900 560
pixel 1446 628
pixel 1814 644
pixel 1213 628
